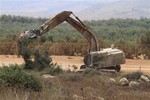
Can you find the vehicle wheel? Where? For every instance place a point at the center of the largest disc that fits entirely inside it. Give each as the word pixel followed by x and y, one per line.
pixel 118 68
pixel 87 60
pixel 82 66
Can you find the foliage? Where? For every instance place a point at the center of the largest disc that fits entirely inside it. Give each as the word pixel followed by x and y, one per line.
pixel 54 69
pixel 39 62
pixel 65 40
pixel 15 76
pixel 66 86
pixel 145 43
pixel 133 76
pixel 26 54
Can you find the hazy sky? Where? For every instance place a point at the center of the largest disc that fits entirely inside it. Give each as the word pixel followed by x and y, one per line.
pixel 25 7
pixel 14 4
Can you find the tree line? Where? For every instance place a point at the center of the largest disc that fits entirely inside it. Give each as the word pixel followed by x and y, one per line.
pixel 130 35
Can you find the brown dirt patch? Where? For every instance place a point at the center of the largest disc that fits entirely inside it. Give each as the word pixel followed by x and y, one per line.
pixel 67 62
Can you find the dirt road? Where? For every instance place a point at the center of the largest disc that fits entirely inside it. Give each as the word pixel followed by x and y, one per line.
pixel 68 62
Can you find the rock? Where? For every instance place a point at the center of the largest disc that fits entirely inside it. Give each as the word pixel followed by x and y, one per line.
pixel 76 97
pixel 134 84
pixel 112 80
pixel 140 81
pixel 47 76
pixel 123 81
pixel 144 78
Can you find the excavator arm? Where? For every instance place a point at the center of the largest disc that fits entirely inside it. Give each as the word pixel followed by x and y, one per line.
pixel 86 32
pixel 76 23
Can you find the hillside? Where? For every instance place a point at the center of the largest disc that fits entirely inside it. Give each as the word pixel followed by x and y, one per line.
pixel 119 9
pixel 42 8
pixel 85 9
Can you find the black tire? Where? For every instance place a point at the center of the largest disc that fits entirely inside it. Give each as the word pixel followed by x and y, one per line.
pixel 118 68
pixel 87 60
pixel 82 66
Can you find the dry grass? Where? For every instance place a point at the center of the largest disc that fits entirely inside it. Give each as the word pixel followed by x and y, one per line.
pixel 66 85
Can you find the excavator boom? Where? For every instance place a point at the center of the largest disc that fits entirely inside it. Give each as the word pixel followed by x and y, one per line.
pixel 76 23
pixel 55 21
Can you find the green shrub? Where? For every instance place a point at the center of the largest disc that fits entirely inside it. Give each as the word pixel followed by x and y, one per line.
pixel 15 76
pixel 26 54
pixel 133 76
pixel 40 62
pixel 54 69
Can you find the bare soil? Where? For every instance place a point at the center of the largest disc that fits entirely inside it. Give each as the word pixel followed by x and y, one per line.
pixel 67 85
pixel 70 62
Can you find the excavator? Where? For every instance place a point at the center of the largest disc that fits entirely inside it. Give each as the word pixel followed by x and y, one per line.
pixel 108 58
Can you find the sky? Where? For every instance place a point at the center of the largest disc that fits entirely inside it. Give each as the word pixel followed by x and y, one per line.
pixel 35 7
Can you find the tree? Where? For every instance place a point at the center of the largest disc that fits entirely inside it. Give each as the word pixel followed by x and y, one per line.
pixel 40 61
pixel 145 43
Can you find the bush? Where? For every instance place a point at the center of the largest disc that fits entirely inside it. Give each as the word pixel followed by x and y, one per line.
pixel 144 42
pixel 54 69
pixel 15 76
pixel 133 76
pixel 40 61
pixel 26 54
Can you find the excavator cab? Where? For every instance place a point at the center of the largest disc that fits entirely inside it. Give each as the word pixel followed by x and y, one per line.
pixel 108 58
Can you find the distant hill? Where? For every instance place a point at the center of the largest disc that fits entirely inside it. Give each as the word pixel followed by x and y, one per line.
pixel 42 8
pixel 119 9
pixel 85 9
